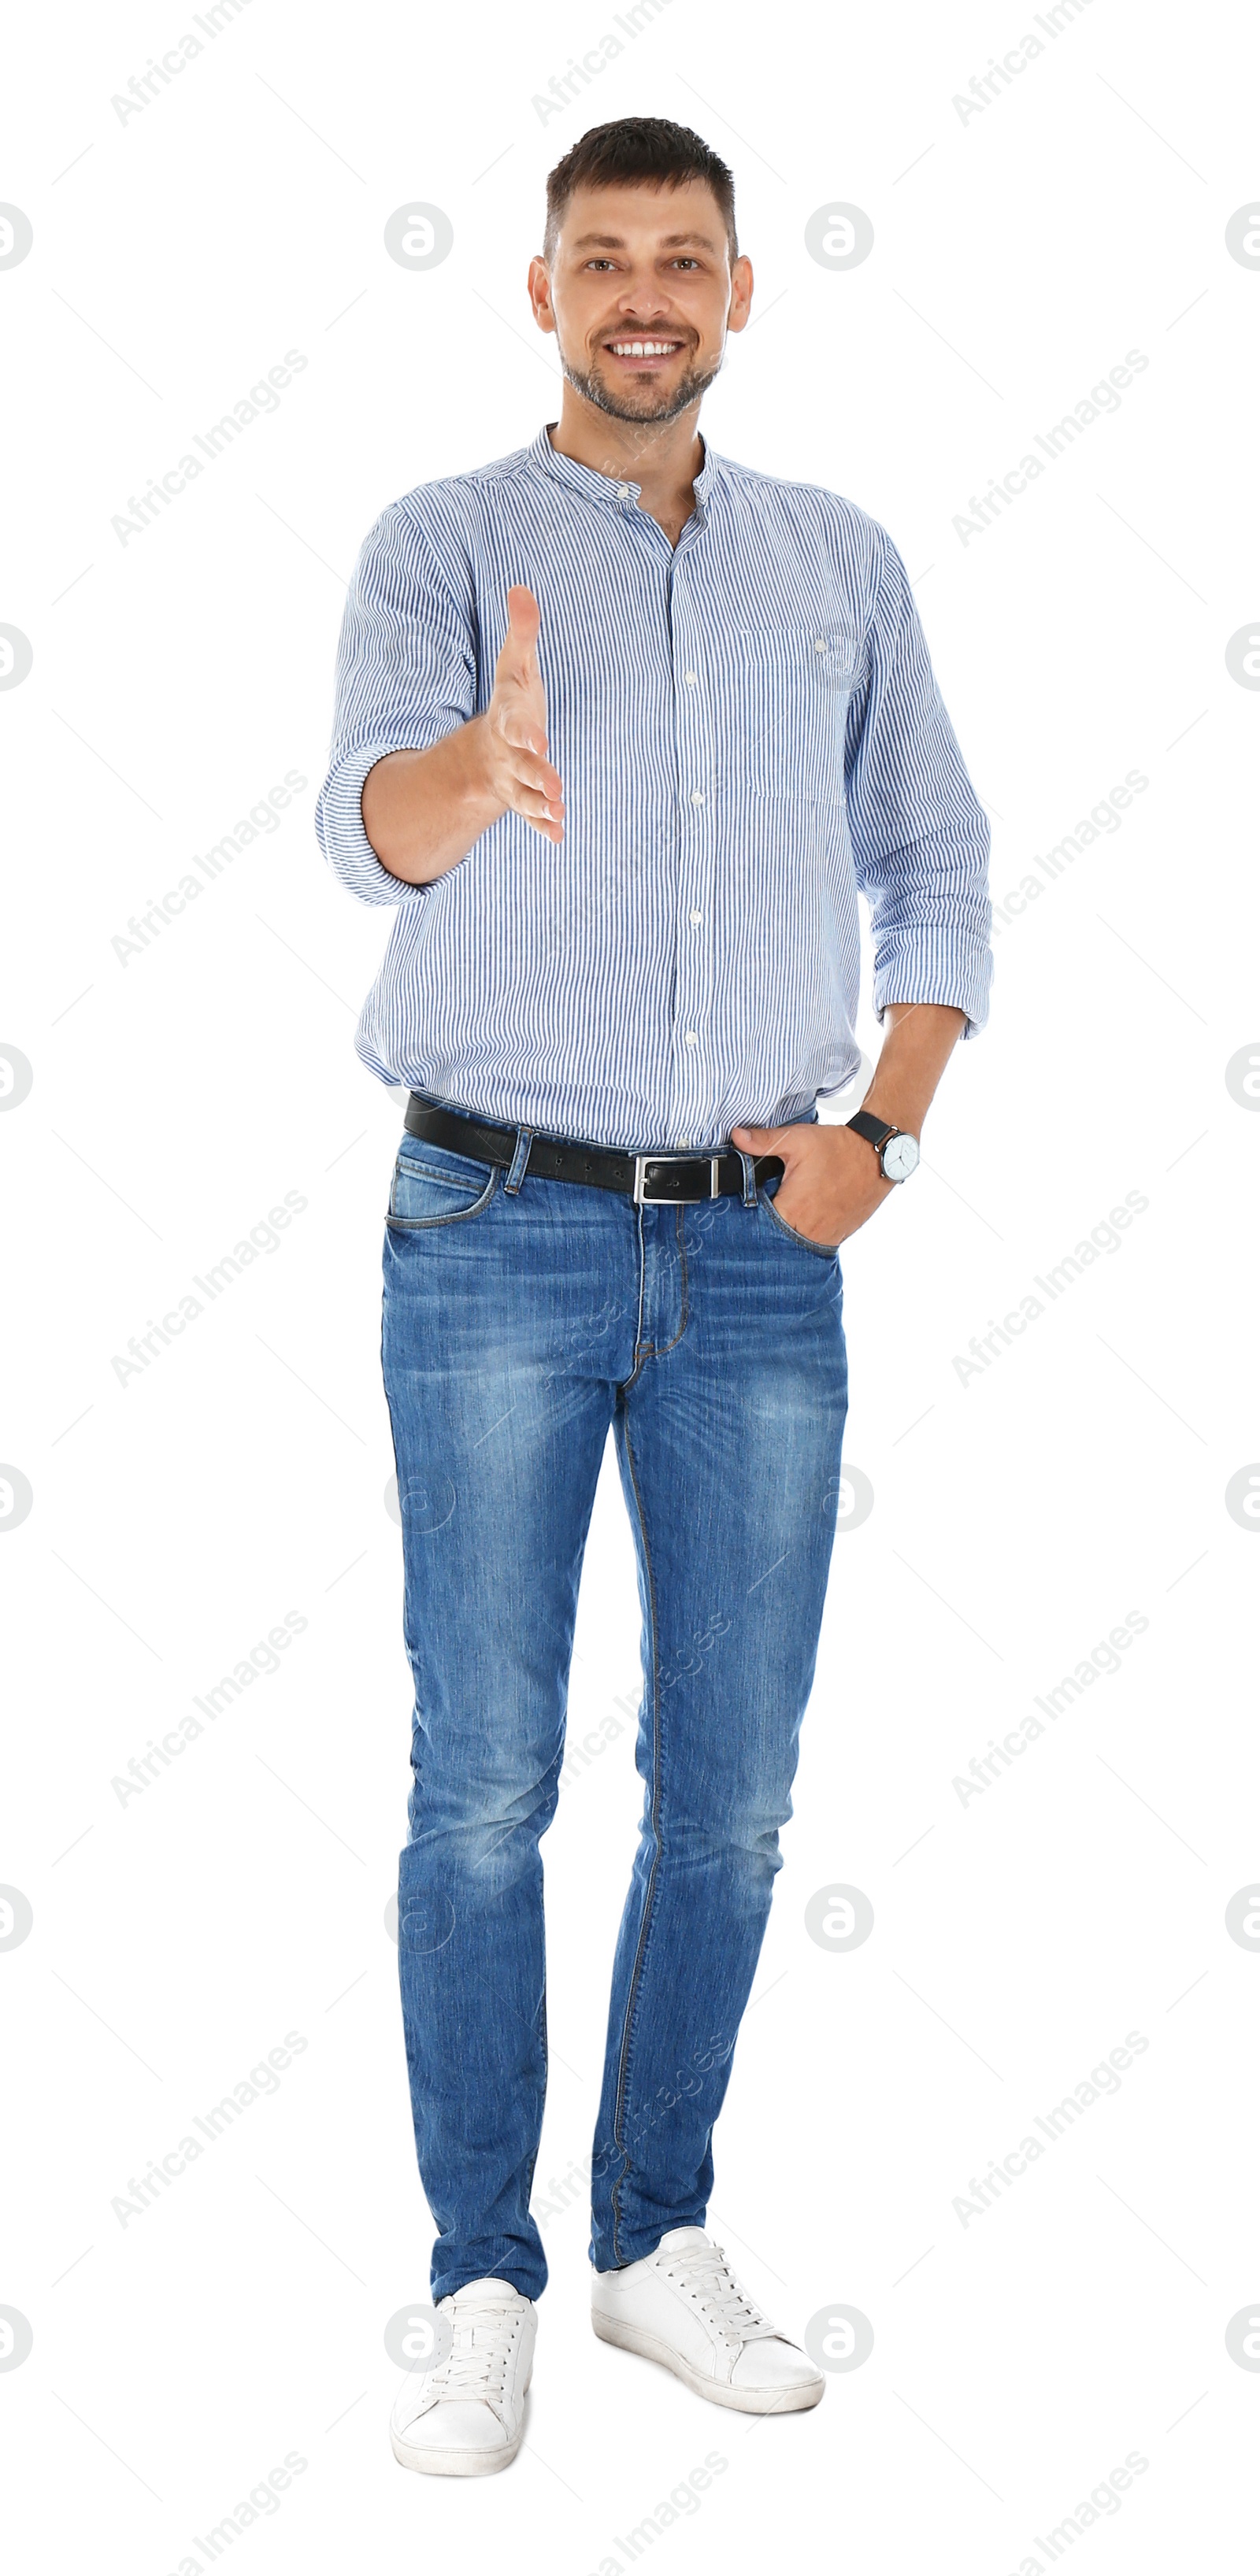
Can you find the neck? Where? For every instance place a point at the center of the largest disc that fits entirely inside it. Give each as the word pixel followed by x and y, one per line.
pixel 662 456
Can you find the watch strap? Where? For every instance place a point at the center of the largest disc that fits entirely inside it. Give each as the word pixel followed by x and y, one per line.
pixel 875 1130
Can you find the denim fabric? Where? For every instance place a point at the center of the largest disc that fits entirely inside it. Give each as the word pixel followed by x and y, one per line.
pixel 521 1318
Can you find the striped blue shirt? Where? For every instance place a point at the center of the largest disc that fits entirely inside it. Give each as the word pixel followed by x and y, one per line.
pixel 748 731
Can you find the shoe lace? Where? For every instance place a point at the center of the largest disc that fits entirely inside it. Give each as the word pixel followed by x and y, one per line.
pixel 707 2278
pixel 477 2363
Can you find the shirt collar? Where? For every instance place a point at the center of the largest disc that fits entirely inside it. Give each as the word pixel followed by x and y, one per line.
pixel 605 488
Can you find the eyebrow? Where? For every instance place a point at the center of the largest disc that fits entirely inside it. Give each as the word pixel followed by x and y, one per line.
pixel 614 241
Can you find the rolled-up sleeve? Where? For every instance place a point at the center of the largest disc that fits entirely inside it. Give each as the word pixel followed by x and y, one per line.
pixel 919 834
pixel 406 675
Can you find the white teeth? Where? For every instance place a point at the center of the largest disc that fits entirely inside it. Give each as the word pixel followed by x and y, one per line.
pixel 643 348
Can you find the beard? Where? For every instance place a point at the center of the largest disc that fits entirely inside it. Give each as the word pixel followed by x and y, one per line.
pixel 660 407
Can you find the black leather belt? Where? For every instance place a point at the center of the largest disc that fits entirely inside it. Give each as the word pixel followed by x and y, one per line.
pixel 651 1180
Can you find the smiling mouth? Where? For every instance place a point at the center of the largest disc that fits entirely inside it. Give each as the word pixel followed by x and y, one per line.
pixel 641 351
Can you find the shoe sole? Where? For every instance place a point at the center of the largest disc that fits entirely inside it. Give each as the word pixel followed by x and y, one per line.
pixel 460 2464
pixel 744 2401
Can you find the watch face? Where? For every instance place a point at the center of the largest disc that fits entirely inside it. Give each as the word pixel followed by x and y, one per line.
pixel 899 1157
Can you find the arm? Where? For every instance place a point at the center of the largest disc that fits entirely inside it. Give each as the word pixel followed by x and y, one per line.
pixel 921 1039
pixel 410 756
pixel 831 1178
pixel 920 847
pixel 919 833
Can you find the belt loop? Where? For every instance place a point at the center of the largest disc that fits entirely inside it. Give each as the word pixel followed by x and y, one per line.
pixel 516 1168
pixel 750 1177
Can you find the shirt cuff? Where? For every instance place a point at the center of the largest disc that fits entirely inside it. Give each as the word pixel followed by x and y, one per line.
pixel 339 822
pixel 920 974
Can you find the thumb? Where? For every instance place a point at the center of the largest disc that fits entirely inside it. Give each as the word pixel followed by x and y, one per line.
pixel 759 1140
pixel 518 661
pixel 524 617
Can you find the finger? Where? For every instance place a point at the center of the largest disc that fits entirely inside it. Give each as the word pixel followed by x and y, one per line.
pixel 529 783
pixel 527 801
pixel 517 654
pixel 514 713
pixel 526 754
pixel 532 747
pixel 516 672
pixel 535 771
pixel 761 1140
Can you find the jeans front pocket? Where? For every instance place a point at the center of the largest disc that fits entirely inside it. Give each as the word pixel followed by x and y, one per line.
pixel 433 1186
pixel 824 1251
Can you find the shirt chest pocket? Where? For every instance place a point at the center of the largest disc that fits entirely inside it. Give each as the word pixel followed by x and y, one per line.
pixel 783 704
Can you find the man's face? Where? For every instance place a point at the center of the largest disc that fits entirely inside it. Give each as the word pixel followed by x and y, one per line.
pixel 641 295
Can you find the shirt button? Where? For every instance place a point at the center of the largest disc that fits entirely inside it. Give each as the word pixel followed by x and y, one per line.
pixel 683 1145
pixel 692 1039
pixel 697 795
pixel 697 916
pixel 690 678
pixel 819 645
pixel 623 491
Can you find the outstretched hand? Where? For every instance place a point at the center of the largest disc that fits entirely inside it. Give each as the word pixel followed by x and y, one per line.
pixel 517 770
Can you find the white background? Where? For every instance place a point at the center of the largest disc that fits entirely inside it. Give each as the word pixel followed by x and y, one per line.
pixel 1018 1515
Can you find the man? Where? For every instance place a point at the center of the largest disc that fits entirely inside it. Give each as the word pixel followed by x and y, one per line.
pixel 621 726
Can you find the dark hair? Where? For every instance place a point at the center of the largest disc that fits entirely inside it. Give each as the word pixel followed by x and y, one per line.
pixel 648 148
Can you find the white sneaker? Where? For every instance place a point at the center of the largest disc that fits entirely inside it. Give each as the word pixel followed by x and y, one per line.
pixel 683 2306
pixel 466 2418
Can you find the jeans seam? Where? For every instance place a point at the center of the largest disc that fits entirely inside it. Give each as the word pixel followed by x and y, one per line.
pixel 659 1350
pixel 680 1231
pixel 632 1994
pixel 546 2069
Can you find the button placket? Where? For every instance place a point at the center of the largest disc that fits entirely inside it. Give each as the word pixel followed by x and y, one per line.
pixel 694 749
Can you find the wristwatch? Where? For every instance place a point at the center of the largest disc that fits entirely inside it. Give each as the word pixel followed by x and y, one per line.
pixel 896 1152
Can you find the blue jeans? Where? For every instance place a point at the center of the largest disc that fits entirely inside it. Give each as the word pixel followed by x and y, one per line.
pixel 521 1318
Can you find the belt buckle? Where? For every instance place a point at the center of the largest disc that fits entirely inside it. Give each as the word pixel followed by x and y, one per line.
pixel 642 1197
